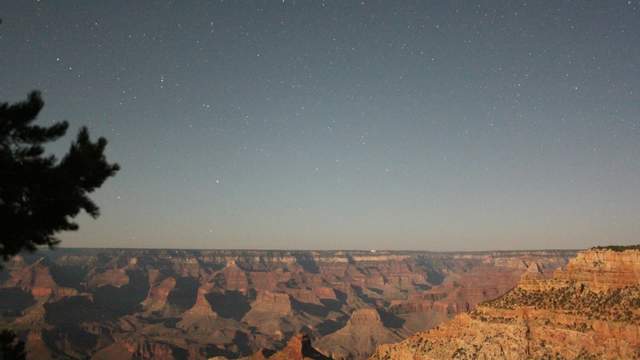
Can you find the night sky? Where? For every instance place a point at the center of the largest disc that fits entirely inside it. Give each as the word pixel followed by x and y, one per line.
pixel 426 125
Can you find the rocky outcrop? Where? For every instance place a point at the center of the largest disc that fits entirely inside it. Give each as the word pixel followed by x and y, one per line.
pixel 158 294
pixel 325 293
pixel 36 278
pixel 201 316
pixel 235 278
pixel 264 280
pixel 113 277
pixel 136 348
pixel 298 348
pixel 365 317
pixel 274 303
pixel 270 314
pixel 602 270
pixel 36 348
pixel 304 295
pixel 185 266
pixel 590 309
pixel 359 338
pixel 533 278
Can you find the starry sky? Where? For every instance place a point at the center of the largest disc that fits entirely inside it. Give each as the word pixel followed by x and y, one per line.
pixel 425 125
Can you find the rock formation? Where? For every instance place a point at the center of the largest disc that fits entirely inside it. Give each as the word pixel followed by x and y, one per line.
pixel 123 303
pixel 132 348
pixel 298 348
pixel 235 278
pixel 359 338
pixel 268 311
pixel 113 277
pixel 201 316
pixel 275 303
pixel 36 278
pixel 158 293
pixel 590 309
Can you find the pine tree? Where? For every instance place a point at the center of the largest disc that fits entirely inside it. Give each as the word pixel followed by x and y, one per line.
pixel 39 195
pixel 11 348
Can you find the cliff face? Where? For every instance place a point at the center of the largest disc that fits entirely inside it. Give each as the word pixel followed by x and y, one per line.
pixel 589 309
pixel 115 303
pixel 298 348
pixel 363 332
pixel 599 270
pixel 158 294
pixel 36 278
pixel 200 317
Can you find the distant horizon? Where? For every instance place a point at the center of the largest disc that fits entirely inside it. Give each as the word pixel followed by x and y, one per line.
pixel 371 251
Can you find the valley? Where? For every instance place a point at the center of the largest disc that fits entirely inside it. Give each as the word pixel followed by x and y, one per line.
pixel 197 304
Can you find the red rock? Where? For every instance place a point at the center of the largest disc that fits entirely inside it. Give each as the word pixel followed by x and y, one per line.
pixel 298 348
pixel 200 316
pixel 263 280
pixel 36 347
pixel 37 279
pixel 276 303
pixel 113 277
pixel 359 338
pixel 202 306
pixel 158 294
pixel 587 310
pixel 135 348
pixel 304 296
pixel 324 292
pixel 235 278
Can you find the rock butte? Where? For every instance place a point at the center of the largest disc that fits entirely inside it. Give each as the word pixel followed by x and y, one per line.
pixel 359 338
pixel 298 348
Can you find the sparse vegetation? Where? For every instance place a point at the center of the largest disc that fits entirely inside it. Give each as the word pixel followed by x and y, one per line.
pixel 617 248
pixel 615 304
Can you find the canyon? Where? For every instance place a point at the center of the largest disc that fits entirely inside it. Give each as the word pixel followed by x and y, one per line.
pixel 255 304
pixel 589 309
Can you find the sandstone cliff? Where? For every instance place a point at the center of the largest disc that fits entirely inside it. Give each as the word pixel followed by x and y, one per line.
pixel 363 332
pixel 589 309
pixel 298 348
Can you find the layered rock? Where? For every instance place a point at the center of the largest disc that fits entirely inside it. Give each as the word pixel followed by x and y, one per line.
pixel 298 348
pixel 36 278
pixel 268 313
pixel 36 347
pixel 271 302
pixel 304 295
pixel 158 294
pixel 113 277
pixel 136 348
pixel 201 316
pixel 590 309
pixel 359 338
pixel 533 278
pixel 234 302
pixel 235 278
pixel 264 280
pixel 602 270
pixel 185 265
pixel 325 293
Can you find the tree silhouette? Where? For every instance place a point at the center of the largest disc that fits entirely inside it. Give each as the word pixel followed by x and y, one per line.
pixel 39 195
pixel 10 347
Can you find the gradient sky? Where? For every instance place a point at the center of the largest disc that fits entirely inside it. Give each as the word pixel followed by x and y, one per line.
pixel 426 125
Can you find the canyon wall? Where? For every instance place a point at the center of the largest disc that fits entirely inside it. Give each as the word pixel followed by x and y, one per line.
pixel 230 303
pixel 589 309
